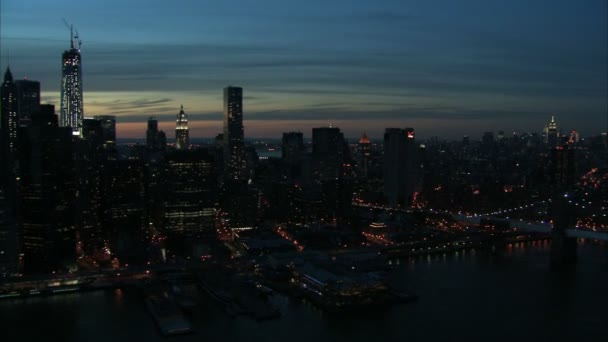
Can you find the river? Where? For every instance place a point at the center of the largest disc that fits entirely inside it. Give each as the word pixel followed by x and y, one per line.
pixel 464 296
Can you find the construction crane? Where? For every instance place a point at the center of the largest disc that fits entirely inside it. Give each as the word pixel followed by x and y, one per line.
pixel 73 38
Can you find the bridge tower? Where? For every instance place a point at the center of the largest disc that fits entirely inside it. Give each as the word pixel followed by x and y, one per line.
pixel 563 247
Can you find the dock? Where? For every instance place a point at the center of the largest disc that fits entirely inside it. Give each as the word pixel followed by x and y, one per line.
pixel 167 315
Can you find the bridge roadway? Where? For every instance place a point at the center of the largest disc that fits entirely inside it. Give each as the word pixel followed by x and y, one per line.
pixel 520 225
pixel 535 227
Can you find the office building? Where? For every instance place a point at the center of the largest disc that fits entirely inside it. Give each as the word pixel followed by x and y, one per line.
pixel 8 239
pixel 235 165
pixel 292 147
pixel 46 194
pixel 400 171
pixel 28 100
pixel 365 151
pixel 108 130
pixel 8 134
pixel 190 194
pixel 329 151
pixel 152 134
pixel 123 208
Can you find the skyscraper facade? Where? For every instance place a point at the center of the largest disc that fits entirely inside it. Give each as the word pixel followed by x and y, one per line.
pixel 155 140
pixel 8 135
pixel 329 151
pixel 123 207
pixel 182 137
pixel 72 110
pixel 108 129
pixel 8 114
pixel 152 133
pixel 552 133
pixel 292 147
pixel 8 239
pixel 28 101
pixel 190 194
pixel 234 154
pixel 365 150
pixel 400 170
pixel 46 194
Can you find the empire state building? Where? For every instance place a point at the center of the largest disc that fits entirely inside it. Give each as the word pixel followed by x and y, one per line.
pixel 72 110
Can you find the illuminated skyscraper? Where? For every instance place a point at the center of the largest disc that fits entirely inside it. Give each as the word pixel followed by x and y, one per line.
pixel 8 113
pixel 552 132
pixel 182 138
pixel 8 135
pixel 234 154
pixel 190 195
pixel 72 110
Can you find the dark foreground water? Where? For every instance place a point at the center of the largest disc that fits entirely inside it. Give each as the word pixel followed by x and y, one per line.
pixel 472 296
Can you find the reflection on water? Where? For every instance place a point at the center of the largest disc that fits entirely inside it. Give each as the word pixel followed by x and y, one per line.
pixel 507 294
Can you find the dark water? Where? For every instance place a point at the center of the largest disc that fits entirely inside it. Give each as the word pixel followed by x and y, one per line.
pixel 472 296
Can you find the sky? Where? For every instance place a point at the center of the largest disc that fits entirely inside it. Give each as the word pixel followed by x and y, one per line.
pixel 447 68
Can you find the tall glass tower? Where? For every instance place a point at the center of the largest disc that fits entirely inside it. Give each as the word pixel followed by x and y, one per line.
pixel 72 110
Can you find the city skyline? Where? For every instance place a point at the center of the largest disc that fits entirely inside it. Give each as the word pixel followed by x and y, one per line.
pixel 462 70
pixel 336 166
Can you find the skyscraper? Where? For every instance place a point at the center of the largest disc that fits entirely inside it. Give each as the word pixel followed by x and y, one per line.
pixel 190 194
pixel 72 110
pixel 8 239
pixel 152 133
pixel 123 207
pixel 8 135
pixel 108 129
pixel 329 151
pixel 28 101
pixel 8 113
pixel 400 170
pixel 234 154
pixel 292 147
pixel 365 149
pixel 92 132
pixel 182 138
pixel 552 132
pixel 155 139
pixel 46 194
